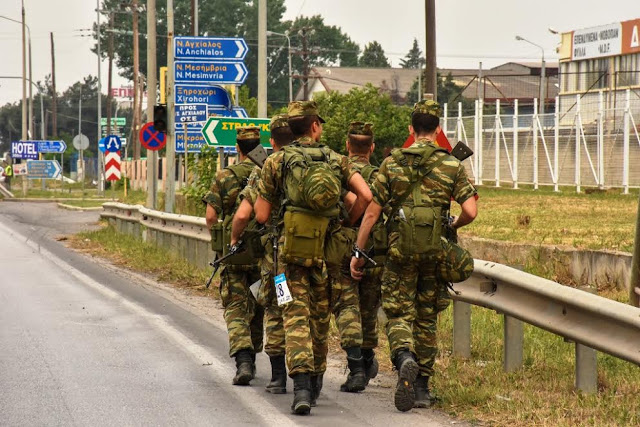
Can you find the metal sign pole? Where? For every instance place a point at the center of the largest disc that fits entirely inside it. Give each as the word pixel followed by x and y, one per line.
pixel 186 156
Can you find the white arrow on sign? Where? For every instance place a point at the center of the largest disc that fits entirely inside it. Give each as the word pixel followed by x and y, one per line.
pixel 207 131
pixel 241 49
pixel 241 72
pixel 56 169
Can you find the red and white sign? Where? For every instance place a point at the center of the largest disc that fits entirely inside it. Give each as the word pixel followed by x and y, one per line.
pixel 20 169
pixel 631 36
pixel 112 166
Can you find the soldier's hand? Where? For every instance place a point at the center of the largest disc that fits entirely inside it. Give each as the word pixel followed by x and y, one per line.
pixel 356 267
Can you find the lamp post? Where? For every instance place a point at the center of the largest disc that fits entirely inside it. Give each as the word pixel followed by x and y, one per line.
pixel 542 73
pixel 273 33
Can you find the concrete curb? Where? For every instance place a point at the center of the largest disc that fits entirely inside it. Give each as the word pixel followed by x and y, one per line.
pixel 78 208
pixel 52 200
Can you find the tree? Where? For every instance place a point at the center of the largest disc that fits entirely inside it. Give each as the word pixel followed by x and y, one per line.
pixel 414 58
pixel 373 56
pixel 448 93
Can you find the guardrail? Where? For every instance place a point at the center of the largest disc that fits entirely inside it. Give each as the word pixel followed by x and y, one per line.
pixel 592 322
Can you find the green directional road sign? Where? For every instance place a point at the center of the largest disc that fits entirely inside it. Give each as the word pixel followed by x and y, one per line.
pixel 221 131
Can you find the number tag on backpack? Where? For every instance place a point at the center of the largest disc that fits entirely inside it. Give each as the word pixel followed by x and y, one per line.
pixel 282 290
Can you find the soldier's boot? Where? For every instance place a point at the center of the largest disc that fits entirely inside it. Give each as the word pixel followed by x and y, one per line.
pixel 408 369
pixel 316 387
pixel 357 379
pixel 424 399
pixel 253 365
pixel 245 370
pixel 278 383
pixel 301 394
pixel 370 364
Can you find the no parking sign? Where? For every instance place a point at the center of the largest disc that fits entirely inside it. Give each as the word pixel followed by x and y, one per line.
pixel 151 139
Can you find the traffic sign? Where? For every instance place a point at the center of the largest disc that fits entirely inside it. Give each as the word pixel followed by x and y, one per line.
pixel 112 166
pixel 220 132
pixel 112 143
pixel 234 49
pixel 43 169
pixel 194 131
pixel 222 72
pixel 212 95
pixel 115 121
pixel 24 150
pixel 101 145
pixel 52 147
pixel 151 139
pixel 80 142
pixel 191 113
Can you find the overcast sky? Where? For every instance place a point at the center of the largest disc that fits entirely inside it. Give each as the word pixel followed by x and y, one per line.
pixel 468 31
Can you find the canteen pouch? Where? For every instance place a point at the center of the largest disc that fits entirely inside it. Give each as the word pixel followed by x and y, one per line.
pixel 304 236
pixel 217 243
pixel 246 256
pixel 337 250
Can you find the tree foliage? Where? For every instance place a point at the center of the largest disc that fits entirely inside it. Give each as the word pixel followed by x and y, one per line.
pixel 414 58
pixel 448 93
pixel 373 56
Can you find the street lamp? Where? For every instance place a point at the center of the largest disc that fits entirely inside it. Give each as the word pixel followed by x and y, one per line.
pixel 542 73
pixel 273 33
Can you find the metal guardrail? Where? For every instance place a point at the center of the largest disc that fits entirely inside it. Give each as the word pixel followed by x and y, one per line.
pixel 592 322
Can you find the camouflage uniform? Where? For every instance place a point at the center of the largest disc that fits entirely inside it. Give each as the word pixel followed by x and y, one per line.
pixel 306 318
pixel 244 317
pixel 411 295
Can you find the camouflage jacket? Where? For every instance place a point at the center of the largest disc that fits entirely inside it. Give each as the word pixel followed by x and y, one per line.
pixel 226 187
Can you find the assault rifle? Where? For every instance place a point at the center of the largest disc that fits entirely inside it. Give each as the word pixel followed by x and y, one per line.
pixel 359 253
pixel 258 155
pixel 461 152
pixel 233 250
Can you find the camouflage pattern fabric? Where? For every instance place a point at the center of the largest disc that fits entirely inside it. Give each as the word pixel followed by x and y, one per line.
pixel 360 128
pixel 226 188
pixel 427 106
pixel 243 315
pixel 279 121
pixel 273 323
pixel 303 108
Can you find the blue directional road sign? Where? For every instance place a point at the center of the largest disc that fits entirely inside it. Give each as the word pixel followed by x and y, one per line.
pixel 212 95
pixel 43 169
pixel 24 150
pixel 190 113
pixel 233 49
pixel 221 72
pixel 112 143
pixel 101 146
pixel 52 147
pixel 194 131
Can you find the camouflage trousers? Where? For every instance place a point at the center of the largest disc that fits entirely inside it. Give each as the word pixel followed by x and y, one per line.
pixel 345 305
pixel 243 315
pixel 413 293
pixel 369 291
pixel 306 319
pixel 273 324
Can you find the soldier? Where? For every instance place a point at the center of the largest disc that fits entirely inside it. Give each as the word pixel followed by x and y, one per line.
pixel 275 345
pixel 306 179
pixel 417 184
pixel 244 317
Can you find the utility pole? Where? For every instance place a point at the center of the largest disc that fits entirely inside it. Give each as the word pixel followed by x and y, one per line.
pixel 170 181
pixel 262 58
pixel 98 153
pixel 152 156
pixel 24 84
pixel 136 65
pixel 110 73
pixel 54 94
pixel 31 121
pixel 431 81
pixel 305 62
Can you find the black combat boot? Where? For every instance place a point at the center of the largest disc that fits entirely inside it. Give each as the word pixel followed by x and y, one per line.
pixel 357 380
pixel 424 399
pixel 245 370
pixel 253 365
pixel 301 394
pixel 407 372
pixel 370 364
pixel 278 383
pixel 316 387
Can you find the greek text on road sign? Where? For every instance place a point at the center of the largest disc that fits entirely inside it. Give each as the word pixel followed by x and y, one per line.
pixel 112 143
pixel 210 72
pixel 211 95
pixel 151 139
pixel 191 113
pixel 51 146
pixel 24 150
pixel 115 121
pixel 221 132
pixel 210 48
pixel 43 169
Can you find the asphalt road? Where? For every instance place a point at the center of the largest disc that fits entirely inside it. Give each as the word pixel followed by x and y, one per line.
pixel 84 344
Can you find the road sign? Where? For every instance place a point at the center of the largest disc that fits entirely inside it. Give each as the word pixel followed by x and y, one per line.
pixel 238 112
pixel 43 169
pixel 203 48
pixel 112 166
pixel 211 95
pixel 80 142
pixel 52 147
pixel 24 150
pixel 194 131
pixel 20 169
pixel 191 113
pixel 210 72
pixel 115 121
pixel 112 143
pixel 220 132
pixel 101 145
pixel 151 139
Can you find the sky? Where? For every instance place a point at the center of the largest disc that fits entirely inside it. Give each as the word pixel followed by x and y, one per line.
pixel 468 31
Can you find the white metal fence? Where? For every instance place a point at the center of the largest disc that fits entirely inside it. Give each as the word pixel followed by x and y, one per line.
pixel 571 146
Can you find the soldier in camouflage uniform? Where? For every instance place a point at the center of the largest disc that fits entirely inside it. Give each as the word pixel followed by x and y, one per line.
pixel 411 182
pixel 244 317
pixel 274 330
pixel 306 317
